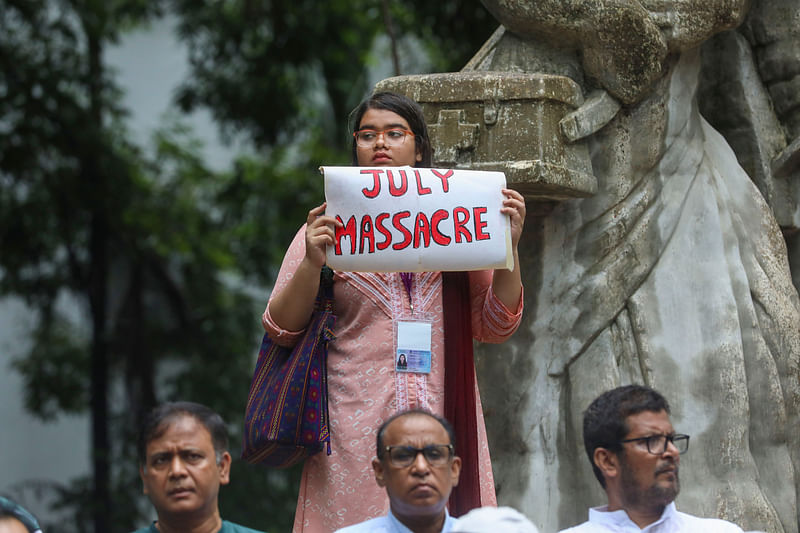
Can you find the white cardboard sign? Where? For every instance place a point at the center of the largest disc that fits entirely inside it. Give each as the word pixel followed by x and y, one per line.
pixel 406 219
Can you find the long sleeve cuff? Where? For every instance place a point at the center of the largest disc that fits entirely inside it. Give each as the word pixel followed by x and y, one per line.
pixel 500 322
pixel 280 336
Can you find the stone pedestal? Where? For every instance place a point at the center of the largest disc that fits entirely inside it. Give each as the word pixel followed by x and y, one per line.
pixel 504 121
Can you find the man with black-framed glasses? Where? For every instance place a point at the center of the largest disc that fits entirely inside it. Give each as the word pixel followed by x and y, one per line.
pixel 416 463
pixel 635 454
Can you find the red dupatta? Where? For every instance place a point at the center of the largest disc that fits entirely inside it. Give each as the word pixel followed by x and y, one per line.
pixel 459 388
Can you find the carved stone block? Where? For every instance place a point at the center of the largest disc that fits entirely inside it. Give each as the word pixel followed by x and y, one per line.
pixel 504 121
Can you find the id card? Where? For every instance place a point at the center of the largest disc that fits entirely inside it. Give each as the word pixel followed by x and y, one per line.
pixel 413 352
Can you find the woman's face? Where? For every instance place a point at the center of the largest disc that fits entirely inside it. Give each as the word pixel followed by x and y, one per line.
pixel 384 152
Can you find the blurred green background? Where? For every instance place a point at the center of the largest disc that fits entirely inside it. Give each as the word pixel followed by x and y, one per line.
pixel 142 267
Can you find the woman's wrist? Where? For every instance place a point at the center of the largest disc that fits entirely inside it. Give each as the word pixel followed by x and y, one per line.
pixel 308 265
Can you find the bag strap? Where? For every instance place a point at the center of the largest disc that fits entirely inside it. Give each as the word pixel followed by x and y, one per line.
pixel 325 295
pixel 325 303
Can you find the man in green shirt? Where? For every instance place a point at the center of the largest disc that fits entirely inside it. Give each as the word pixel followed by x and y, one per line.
pixel 183 460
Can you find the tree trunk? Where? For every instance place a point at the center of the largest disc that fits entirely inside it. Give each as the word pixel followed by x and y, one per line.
pixel 98 288
pixel 387 20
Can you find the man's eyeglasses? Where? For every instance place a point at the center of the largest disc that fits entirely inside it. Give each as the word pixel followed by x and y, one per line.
pixel 657 444
pixel 391 136
pixel 435 454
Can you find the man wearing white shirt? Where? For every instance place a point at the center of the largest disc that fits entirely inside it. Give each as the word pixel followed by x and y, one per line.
pixel 635 455
pixel 417 465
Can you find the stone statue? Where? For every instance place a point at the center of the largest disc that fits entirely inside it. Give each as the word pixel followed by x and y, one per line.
pixel 673 273
pixel 750 92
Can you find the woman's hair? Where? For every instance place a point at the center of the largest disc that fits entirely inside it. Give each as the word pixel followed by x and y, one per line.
pixel 406 108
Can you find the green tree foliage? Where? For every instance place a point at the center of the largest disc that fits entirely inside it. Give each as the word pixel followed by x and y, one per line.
pixel 279 68
pixel 164 258
pixel 146 247
pixel 57 161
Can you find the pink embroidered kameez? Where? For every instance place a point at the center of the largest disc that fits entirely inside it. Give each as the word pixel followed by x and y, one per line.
pixel 364 389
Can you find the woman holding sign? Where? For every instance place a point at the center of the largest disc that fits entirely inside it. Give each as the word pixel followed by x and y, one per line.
pixel 379 316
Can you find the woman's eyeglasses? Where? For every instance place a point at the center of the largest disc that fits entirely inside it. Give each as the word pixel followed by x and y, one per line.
pixel 367 138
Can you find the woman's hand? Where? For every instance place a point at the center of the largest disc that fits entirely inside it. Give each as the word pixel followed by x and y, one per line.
pixel 291 308
pixel 320 233
pixel 507 284
pixel 514 207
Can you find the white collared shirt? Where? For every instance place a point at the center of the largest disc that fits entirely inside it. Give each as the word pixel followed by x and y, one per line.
pixel 390 524
pixel 672 521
